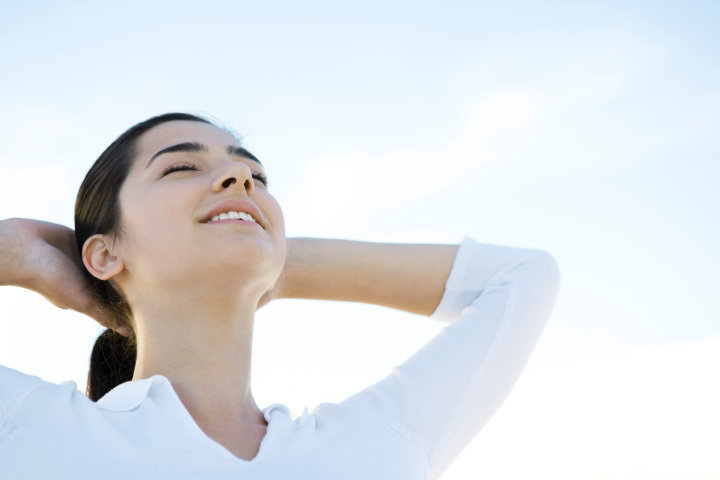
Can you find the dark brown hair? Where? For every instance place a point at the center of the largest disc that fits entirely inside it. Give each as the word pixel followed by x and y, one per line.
pixel 97 211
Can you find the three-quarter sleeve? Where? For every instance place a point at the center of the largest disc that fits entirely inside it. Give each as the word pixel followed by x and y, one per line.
pixel 496 301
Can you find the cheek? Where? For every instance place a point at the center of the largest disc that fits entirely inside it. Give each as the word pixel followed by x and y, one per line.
pixel 271 206
pixel 280 236
pixel 156 220
pixel 152 205
pixel 280 222
pixel 156 225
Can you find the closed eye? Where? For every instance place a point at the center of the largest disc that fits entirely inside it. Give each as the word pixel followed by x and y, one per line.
pixel 179 166
pixel 260 176
pixel 191 166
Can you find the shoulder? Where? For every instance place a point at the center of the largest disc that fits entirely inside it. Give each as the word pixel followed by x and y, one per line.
pixel 13 386
pixel 17 387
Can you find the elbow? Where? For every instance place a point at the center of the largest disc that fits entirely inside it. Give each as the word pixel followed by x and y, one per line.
pixel 545 265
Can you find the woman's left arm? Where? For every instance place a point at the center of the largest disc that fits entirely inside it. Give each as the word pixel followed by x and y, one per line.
pixel 494 299
pixel 409 277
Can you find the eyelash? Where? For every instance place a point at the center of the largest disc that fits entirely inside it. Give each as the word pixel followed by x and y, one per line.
pixel 178 167
pixel 262 177
pixel 191 166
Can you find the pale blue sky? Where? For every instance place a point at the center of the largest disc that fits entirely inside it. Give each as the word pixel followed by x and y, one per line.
pixel 586 128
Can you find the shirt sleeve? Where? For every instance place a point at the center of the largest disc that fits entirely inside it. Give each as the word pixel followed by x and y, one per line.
pixel 496 301
pixel 14 387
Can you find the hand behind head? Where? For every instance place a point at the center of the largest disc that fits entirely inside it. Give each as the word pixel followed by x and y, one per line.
pixel 44 257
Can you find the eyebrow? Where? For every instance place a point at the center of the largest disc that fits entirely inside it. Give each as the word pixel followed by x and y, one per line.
pixel 195 147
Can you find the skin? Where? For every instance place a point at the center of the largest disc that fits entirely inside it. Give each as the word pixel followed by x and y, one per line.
pixel 194 317
pixel 194 288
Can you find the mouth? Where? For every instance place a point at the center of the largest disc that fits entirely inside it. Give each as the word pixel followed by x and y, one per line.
pixel 233 215
pixel 235 211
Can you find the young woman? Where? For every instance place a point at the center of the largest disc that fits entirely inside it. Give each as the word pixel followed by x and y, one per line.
pixel 177 243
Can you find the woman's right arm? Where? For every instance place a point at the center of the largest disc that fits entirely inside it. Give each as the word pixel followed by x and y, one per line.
pixel 10 253
pixel 43 257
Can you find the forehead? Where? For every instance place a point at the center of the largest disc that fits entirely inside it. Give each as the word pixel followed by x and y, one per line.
pixel 175 132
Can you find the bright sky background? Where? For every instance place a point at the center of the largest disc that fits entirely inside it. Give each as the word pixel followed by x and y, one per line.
pixel 580 127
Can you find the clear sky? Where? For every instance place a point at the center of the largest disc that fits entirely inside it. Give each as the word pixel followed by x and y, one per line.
pixel 580 127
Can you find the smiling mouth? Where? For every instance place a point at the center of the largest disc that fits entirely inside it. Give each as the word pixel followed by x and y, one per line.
pixel 235 211
pixel 233 215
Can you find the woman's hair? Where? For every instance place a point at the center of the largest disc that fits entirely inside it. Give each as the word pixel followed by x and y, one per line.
pixel 97 211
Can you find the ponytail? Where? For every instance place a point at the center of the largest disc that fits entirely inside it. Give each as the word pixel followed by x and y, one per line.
pixel 112 362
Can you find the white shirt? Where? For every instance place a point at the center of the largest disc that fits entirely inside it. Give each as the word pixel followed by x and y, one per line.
pixel 410 425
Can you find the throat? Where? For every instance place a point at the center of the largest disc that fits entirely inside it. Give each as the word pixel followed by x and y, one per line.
pixel 244 444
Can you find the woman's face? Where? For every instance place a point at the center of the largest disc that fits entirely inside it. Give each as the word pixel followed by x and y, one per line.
pixel 185 174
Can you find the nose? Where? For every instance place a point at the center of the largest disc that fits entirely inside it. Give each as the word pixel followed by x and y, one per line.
pixel 234 175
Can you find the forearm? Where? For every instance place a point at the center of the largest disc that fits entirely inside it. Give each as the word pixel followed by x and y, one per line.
pixel 409 277
pixel 10 252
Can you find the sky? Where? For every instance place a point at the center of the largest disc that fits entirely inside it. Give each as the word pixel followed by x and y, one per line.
pixel 584 128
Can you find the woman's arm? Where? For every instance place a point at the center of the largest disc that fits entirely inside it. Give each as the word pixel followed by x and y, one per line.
pixel 43 257
pixel 496 303
pixel 409 277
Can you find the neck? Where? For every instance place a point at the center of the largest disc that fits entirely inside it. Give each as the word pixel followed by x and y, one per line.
pixel 205 350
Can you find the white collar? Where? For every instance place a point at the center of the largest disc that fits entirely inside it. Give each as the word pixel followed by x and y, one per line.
pixel 129 395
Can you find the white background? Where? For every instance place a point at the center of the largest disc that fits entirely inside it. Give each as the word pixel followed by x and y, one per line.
pixel 585 128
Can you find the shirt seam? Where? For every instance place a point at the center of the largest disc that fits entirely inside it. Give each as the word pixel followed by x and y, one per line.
pixel 11 411
pixel 406 436
pixel 501 333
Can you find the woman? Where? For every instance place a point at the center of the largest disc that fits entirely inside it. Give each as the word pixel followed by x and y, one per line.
pixel 181 241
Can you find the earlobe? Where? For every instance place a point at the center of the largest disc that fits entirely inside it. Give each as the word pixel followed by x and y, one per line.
pixel 99 259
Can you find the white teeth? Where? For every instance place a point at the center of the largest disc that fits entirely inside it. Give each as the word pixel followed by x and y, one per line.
pixel 233 215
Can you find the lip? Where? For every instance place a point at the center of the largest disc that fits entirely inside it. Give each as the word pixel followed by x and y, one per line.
pixel 237 206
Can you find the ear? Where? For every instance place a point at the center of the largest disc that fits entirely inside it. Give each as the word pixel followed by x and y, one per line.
pixel 98 257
